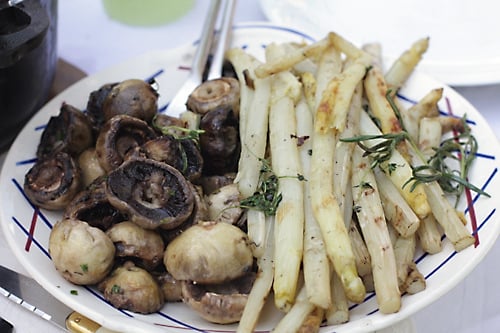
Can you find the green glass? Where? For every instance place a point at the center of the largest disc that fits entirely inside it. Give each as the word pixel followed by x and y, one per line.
pixel 146 12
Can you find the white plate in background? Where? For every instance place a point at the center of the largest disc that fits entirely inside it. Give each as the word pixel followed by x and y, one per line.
pixel 465 35
pixel 443 271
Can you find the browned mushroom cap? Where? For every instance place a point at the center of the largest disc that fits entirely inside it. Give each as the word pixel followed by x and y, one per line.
pixel 92 206
pixel 209 252
pixel 212 183
pixel 218 93
pixel 220 141
pixel 132 97
pixel 166 124
pixel 144 247
pixel 52 183
pixel 172 288
pixel 181 153
pixel 132 288
pixel 200 213
pixel 95 103
pixel 70 131
pixel 118 136
pixel 152 193
pixel 219 303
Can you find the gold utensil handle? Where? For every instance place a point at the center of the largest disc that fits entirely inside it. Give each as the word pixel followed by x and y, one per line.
pixel 77 323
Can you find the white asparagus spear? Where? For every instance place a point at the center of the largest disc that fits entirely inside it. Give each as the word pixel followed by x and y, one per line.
pixel 398 170
pixel 403 67
pixel 316 266
pixel 286 164
pixel 396 209
pixel 325 206
pixel 443 211
pixel 262 284
pixel 374 229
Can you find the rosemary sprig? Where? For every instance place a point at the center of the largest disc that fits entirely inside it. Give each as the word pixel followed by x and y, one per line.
pixel 382 151
pixel 461 148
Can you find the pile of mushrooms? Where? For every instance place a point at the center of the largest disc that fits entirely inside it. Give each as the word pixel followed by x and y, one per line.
pixel 150 213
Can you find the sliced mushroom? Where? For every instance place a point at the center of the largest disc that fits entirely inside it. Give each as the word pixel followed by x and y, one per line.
pixel 118 137
pixel 132 288
pixel 132 97
pixel 209 252
pixel 131 241
pixel 92 206
pixel 51 183
pixel 213 94
pixel 224 204
pixel 70 131
pixel 219 303
pixel 219 141
pixel 83 254
pixel 152 193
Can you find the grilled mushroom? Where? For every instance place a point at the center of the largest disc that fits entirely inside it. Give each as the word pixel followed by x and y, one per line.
pixel 51 183
pixel 118 137
pixel 213 94
pixel 200 213
pixel 90 166
pixel 70 131
pixel 181 153
pixel 92 206
pixel 132 97
pixel 95 103
pixel 81 253
pixel 132 288
pixel 224 204
pixel 172 288
pixel 209 253
pixel 219 142
pixel 219 303
pixel 144 247
pixel 152 193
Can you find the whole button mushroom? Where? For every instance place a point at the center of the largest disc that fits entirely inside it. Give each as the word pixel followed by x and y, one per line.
pixel 223 93
pixel 209 252
pixel 132 97
pixel 83 254
pixel 131 241
pixel 132 288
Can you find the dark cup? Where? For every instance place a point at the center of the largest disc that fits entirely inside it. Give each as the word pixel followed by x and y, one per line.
pixel 28 58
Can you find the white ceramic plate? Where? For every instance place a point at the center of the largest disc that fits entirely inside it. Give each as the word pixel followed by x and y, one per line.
pixel 443 270
pixel 464 34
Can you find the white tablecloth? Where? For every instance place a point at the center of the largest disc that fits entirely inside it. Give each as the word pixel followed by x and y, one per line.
pixel 89 40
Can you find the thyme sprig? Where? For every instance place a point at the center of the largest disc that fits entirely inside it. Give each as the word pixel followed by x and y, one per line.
pixel 267 197
pixel 187 133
